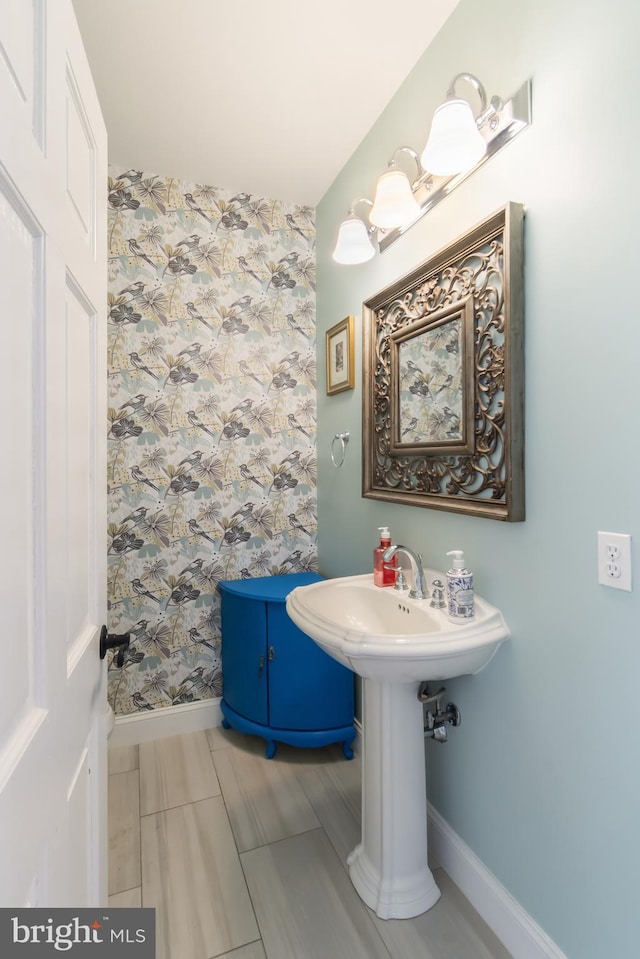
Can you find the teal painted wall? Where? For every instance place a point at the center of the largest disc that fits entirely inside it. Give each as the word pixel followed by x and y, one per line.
pixel 542 779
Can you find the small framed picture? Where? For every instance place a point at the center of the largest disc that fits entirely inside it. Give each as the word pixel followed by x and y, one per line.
pixel 340 357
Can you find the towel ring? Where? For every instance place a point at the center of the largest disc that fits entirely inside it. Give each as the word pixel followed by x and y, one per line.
pixel 343 439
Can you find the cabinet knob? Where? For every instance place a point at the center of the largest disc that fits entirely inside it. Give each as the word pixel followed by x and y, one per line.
pixel 260 666
pixel 272 654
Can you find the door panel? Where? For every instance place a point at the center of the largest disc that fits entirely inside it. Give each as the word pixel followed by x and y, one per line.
pixel 22 59
pixel 22 283
pixel 53 709
pixel 79 335
pixel 18 52
pixel 79 807
pixel 80 160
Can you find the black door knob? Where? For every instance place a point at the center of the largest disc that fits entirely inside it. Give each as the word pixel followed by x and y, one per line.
pixel 119 641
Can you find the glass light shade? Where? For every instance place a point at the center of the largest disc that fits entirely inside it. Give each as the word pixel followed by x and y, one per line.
pixel 394 203
pixel 353 244
pixel 455 144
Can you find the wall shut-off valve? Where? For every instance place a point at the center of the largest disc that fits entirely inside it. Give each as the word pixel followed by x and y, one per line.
pixel 437 716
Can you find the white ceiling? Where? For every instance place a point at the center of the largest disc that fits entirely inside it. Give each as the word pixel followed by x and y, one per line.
pixel 267 98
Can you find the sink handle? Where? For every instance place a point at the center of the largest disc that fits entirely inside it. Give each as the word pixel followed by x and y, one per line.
pixel 437 600
pixel 401 580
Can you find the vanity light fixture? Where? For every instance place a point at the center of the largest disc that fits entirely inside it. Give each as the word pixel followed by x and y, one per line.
pixel 455 142
pixel 394 203
pixel 354 238
pixel 460 141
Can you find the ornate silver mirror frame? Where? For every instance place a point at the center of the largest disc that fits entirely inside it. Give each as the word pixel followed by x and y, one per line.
pixel 443 392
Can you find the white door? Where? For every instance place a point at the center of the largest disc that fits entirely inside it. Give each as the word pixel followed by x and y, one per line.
pixel 53 710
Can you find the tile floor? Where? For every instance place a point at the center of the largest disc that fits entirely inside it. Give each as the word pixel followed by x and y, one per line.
pixel 244 858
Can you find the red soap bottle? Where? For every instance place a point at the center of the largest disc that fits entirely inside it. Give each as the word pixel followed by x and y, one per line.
pixel 381 575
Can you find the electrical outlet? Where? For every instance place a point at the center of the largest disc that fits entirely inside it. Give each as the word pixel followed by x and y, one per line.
pixel 614 560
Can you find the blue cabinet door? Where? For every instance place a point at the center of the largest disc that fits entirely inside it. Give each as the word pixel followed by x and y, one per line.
pixel 307 689
pixel 244 657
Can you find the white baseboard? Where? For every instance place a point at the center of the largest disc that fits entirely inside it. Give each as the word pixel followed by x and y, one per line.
pixel 515 928
pixel 172 721
pixel 151 724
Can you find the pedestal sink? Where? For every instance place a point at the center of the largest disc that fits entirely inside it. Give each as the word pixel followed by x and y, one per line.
pixel 393 643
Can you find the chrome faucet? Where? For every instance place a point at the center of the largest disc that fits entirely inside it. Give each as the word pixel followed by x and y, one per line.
pixel 419 590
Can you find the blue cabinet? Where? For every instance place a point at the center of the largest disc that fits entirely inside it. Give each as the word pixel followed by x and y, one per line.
pixel 276 682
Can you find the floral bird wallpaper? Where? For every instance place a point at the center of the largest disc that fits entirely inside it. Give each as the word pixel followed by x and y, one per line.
pixel 212 417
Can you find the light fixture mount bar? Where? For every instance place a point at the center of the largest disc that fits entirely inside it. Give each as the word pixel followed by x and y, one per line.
pixel 429 190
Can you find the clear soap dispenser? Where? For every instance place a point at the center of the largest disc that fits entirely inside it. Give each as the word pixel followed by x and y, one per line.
pixel 384 574
pixel 460 606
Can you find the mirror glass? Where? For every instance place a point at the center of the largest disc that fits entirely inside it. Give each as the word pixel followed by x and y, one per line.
pixel 429 369
pixel 428 360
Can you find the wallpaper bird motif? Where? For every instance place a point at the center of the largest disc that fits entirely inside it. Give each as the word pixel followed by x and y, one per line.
pixel 212 419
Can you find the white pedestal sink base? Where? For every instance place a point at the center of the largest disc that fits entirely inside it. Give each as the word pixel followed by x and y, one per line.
pixel 389 867
pixel 395 899
pixel 393 642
